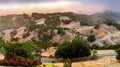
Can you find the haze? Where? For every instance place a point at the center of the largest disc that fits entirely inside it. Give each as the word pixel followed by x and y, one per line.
pixel 49 6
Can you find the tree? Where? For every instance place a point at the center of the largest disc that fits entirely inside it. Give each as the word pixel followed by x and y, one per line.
pixel 118 54
pixel 19 49
pixel 108 22
pixel 94 46
pixel 78 48
pixel 97 26
pixel 91 38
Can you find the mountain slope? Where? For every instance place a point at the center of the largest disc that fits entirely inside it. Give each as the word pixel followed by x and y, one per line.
pixel 51 27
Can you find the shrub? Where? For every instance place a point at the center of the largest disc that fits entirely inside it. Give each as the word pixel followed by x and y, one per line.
pixel 67 63
pixel 26 35
pixel 20 61
pixel 47 65
pixel 97 26
pixel 118 54
pixel 78 48
pixel 108 22
pixel 94 55
pixel 91 38
pixel 105 47
pixel 95 46
pixel 52 61
pixel 19 49
pixel 113 23
pixel 50 65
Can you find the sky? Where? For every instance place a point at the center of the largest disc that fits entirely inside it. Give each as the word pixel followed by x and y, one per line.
pixel 48 6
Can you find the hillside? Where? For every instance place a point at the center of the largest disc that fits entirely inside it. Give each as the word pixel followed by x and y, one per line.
pixel 51 27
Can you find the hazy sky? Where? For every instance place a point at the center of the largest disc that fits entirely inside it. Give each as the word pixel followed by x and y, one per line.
pixel 44 6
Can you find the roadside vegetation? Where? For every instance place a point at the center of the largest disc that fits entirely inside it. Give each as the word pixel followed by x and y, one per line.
pixel 105 47
pixel 112 23
pixel 21 54
pixel 77 48
pixel 93 55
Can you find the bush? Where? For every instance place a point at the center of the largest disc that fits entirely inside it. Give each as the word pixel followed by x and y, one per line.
pixel 19 61
pixel 108 22
pixel 26 35
pixel 113 23
pixel 95 47
pixel 118 54
pixel 67 63
pixel 78 48
pixel 47 65
pixel 94 55
pixel 97 26
pixel 19 49
pixel 91 38
pixel 105 47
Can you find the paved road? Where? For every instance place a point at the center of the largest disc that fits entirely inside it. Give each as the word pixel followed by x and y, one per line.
pixel 104 55
pixel 99 42
pixel 49 60
pixel 109 37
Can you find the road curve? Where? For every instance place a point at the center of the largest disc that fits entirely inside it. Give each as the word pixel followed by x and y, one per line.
pixel 109 37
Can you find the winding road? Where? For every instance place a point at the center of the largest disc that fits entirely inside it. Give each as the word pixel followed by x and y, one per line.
pixel 99 42
pixel 109 37
pixel 49 60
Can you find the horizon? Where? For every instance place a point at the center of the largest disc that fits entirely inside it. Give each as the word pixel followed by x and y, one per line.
pixel 51 6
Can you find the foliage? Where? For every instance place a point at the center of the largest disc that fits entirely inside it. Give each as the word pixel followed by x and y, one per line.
pixel 118 54
pixel 19 61
pixel 105 47
pixel 19 49
pixel 91 38
pixel 108 22
pixel 66 21
pixel 15 61
pixel 38 16
pixel 95 47
pixel 14 39
pixel 45 45
pixel 113 23
pixel 97 26
pixel 30 49
pixel 52 20
pixel 13 33
pixel 47 65
pixel 78 48
pixel 34 27
pixel 67 63
pixel 12 50
pixel 26 35
pixel 50 65
pixel 94 55
pixel 61 31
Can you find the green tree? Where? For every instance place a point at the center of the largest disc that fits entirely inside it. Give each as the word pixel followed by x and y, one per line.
pixel 78 48
pixel 91 38
pixel 108 22
pixel 118 54
pixel 25 50
pixel 97 26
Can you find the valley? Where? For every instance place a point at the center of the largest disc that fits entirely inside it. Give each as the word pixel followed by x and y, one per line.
pixel 49 32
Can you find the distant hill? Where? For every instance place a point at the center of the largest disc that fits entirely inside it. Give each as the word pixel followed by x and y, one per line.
pixel 113 15
pixel 51 27
pixel 15 21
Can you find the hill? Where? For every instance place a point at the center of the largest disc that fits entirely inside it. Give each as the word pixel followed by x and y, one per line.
pixel 51 27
